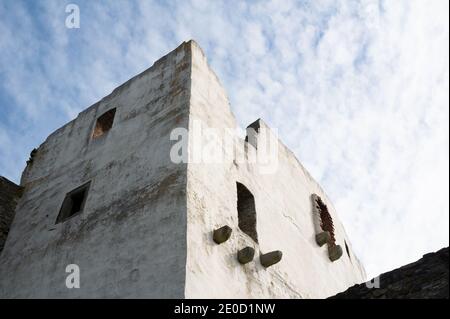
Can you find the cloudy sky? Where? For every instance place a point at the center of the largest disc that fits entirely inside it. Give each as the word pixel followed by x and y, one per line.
pixel 358 89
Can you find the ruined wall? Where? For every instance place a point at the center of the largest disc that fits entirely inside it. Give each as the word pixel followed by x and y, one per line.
pixel 9 195
pixel 284 215
pixel 130 239
pixel 426 278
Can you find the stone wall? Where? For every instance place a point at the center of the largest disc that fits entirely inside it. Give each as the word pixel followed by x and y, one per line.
pixel 9 195
pixel 284 217
pixel 426 278
pixel 129 241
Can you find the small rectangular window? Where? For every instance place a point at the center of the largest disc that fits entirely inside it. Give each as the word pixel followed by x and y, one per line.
pixel 104 123
pixel 73 203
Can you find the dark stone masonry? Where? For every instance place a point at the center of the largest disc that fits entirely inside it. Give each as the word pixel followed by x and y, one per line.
pixel 9 195
pixel 426 278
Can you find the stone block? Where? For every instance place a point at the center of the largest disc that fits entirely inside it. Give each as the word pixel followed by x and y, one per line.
pixel 222 234
pixel 246 255
pixel 335 252
pixel 271 258
pixel 323 238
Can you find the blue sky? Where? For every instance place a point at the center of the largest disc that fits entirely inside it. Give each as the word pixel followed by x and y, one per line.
pixel 359 90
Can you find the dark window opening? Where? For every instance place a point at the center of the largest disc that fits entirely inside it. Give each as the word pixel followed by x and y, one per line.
pixel 246 211
pixel 346 249
pixel 326 222
pixel 73 203
pixel 104 123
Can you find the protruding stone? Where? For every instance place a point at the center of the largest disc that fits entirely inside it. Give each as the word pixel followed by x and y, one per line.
pixel 222 234
pixel 246 255
pixel 271 258
pixel 334 252
pixel 323 238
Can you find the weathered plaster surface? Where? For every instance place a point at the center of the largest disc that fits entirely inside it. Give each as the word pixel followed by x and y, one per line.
pixel 284 217
pixel 130 240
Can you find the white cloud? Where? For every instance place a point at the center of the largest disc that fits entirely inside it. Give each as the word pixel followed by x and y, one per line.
pixel 359 90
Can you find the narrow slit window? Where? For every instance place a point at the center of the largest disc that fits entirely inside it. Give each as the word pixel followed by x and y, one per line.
pixel 73 203
pixel 246 211
pixel 104 123
pixel 347 250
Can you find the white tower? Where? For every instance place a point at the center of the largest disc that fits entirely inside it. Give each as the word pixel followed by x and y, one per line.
pixel 121 192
